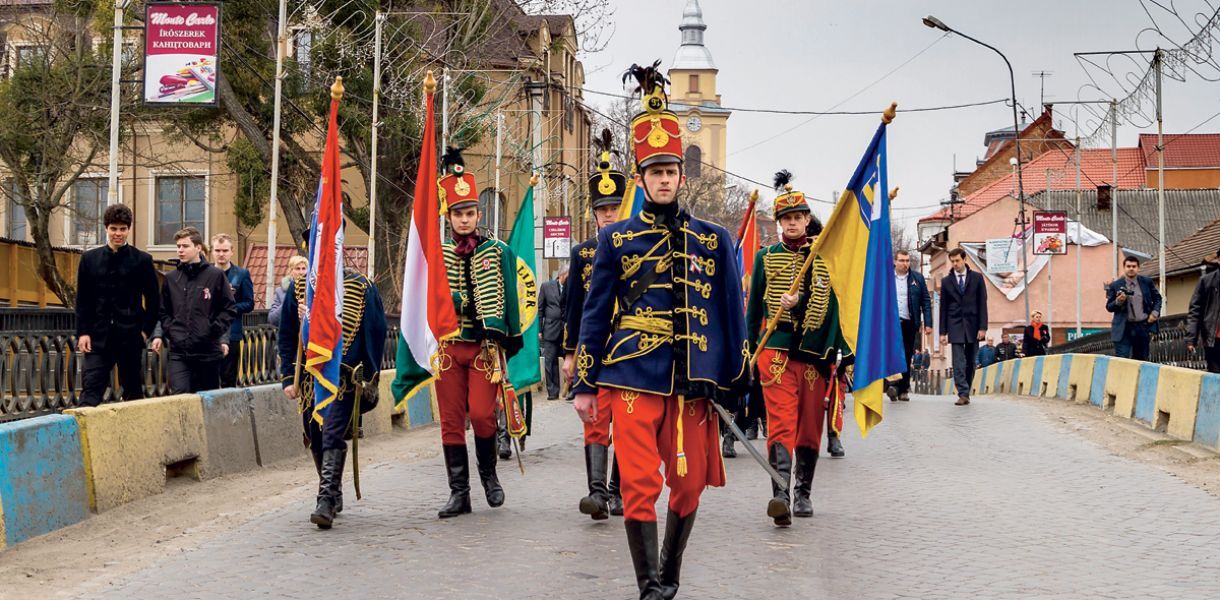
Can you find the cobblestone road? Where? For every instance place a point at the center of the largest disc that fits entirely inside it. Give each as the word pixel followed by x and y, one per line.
pixel 990 501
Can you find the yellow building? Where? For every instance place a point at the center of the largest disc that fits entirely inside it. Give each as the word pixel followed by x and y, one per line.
pixel 528 63
pixel 693 96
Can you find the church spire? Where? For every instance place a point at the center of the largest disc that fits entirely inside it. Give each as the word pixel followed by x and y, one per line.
pixel 692 54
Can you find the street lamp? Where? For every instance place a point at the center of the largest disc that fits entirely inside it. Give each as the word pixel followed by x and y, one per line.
pixel 935 23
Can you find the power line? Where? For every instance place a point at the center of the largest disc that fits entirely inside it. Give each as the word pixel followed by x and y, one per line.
pixel 828 113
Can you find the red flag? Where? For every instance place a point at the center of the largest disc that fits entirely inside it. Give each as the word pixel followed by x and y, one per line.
pixel 747 242
pixel 323 330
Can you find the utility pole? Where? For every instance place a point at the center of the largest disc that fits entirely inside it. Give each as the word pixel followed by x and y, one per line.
pixel 1158 63
pixel 1114 184
pixel 499 154
pixel 536 90
pixel 1079 237
pixel 444 107
pixel 379 21
pixel 281 48
pixel 116 68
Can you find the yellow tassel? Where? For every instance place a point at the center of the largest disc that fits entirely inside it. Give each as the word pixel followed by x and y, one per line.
pixel 681 448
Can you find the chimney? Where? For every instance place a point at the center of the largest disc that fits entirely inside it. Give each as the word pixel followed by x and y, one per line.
pixel 1103 197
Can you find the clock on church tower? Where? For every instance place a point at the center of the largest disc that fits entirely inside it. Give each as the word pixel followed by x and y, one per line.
pixel 694 98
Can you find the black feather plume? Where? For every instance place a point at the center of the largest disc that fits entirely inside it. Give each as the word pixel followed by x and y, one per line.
pixel 605 143
pixel 647 78
pixel 782 179
pixel 452 156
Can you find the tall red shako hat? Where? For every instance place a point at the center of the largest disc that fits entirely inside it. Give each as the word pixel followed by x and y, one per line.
pixel 456 187
pixel 656 133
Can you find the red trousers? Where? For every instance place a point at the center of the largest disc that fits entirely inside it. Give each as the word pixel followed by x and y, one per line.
pixel 598 432
pixel 464 389
pixel 795 395
pixel 646 435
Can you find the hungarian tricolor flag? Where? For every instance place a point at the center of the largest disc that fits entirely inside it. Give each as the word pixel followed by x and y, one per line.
pixel 322 334
pixel 428 316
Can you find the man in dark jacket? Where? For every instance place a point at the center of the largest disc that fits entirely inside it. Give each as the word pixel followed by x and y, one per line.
pixel 1005 350
pixel 987 355
pixel 963 320
pixel 1136 305
pixel 243 298
pixel 914 311
pixel 552 298
pixel 196 312
pixel 116 310
pixel 1203 316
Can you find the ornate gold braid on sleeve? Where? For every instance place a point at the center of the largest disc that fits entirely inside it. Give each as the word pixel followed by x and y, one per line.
pixel 819 296
pixel 584 362
pixel 489 283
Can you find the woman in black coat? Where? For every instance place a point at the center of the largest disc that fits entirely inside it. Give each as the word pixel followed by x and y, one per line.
pixel 1037 336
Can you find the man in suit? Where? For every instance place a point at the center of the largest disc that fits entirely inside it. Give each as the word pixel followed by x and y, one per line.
pixel 1136 305
pixel 552 298
pixel 914 309
pixel 963 320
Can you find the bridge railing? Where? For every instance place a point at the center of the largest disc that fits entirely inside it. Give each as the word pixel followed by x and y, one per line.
pixel 41 371
pixel 1168 345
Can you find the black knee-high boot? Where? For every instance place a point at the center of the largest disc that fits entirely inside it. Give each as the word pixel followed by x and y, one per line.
pixel 596 504
pixel 778 508
pixel 457 467
pixel 485 454
pixel 806 462
pixel 677 532
pixel 615 489
pixel 642 541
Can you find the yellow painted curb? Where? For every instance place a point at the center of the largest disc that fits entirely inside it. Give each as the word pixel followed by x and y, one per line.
pixel 3 534
pixel 1025 379
pixel 1122 386
pixel 128 446
pixel 1080 378
pixel 1051 366
pixel 1177 396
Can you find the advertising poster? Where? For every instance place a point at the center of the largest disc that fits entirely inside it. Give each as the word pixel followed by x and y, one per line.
pixel 1050 232
pixel 1002 255
pixel 556 237
pixel 181 46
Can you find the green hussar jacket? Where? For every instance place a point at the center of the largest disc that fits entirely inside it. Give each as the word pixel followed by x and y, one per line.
pixel 775 268
pixel 484 287
pixel 821 339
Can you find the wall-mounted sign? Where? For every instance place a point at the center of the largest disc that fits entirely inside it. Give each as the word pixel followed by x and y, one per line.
pixel 181 51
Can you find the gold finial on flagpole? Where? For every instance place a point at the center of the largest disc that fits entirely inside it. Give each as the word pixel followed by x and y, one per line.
pixel 754 196
pixel 533 180
pixel 336 90
pixel 893 194
pixel 887 117
pixel 429 83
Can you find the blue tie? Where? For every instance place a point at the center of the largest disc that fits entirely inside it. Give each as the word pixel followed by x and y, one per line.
pixel 961 283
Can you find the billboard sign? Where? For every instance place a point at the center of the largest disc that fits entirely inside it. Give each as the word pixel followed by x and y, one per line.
pixel 181 48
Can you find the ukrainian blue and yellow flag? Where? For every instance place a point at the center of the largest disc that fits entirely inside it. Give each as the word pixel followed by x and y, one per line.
pixel 633 199
pixel 856 247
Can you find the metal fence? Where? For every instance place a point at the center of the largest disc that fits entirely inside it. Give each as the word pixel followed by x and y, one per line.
pixel 41 371
pixel 1168 345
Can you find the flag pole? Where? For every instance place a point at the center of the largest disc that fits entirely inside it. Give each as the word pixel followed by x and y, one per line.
pixel 887 117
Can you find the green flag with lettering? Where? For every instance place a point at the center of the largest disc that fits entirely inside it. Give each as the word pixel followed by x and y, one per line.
pixel 524 368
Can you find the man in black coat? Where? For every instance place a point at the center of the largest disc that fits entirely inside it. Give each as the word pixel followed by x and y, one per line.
pixel 1136 305
pixel 116 310
pixel 197 309
pixel 963 320
pixel 552 300
pixel 914 311
pixel 1203 316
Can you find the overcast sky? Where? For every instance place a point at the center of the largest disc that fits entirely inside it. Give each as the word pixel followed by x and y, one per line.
pixel 814 55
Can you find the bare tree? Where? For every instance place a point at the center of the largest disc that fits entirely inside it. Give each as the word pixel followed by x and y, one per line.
pixel 53 123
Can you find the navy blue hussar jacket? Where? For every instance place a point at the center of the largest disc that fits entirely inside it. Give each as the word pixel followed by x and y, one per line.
pixel 580 277
pixel 364 327
pixel 686 333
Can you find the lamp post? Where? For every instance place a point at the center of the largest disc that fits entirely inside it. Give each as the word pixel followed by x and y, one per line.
pixel 935 23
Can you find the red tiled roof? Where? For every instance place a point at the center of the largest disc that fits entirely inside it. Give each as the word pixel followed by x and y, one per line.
pixel 1096 169
pixel 256 262
pixel 1189 253
pixel 1185 151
